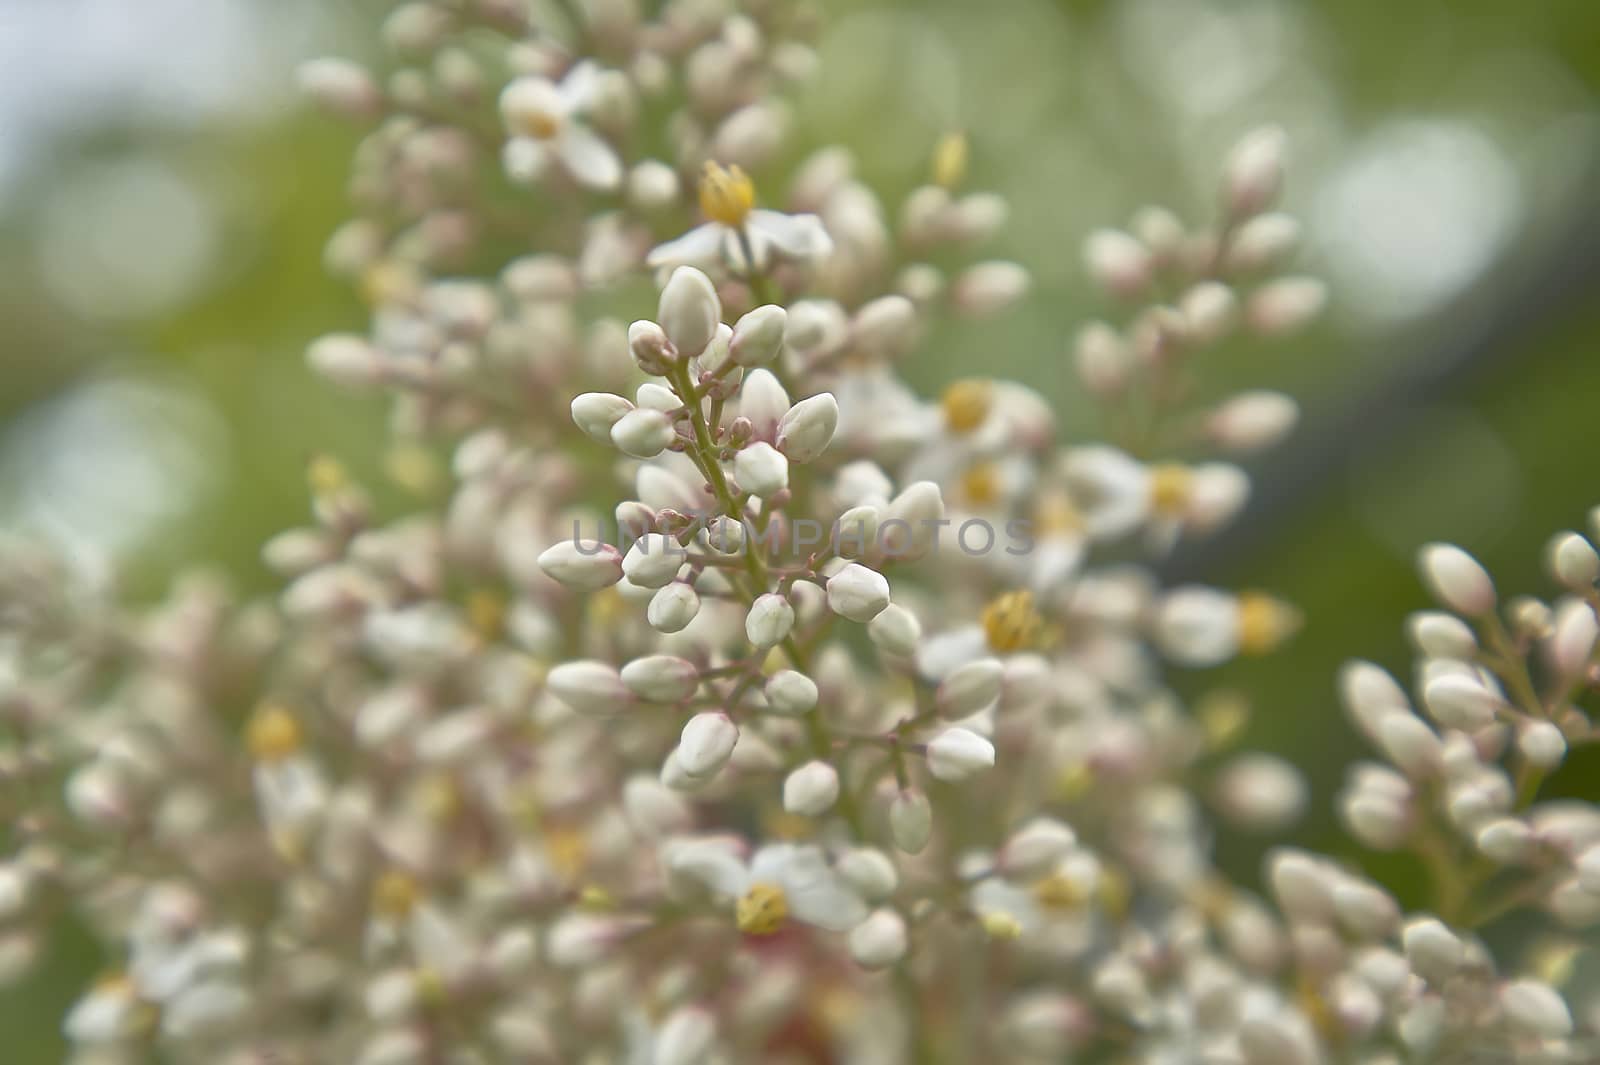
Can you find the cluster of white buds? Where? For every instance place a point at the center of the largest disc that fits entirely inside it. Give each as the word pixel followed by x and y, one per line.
pixel 718 698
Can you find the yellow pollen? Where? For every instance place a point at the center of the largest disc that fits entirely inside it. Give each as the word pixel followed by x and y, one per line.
pixel 1010 623
pixel 1056 892
pixel 595 897
pixel 966 404
pixel 1223 715
pixel 486 613
pixel 1113 893
pixel 726 194
pixel 998 924
pixel 394 894
pixel 1169 488
pixel 981 485
pixel 1074 781
pixel 273 734
pixel 568 850
pixel 950 160
pixel 762 910
pixel 1264 622
pixel 1056 516
pixel 326 475
pixel 431 987
pixel 541 125
pixel 387 281
pixel 413 468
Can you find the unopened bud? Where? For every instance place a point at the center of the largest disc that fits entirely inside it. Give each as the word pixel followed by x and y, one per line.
pixel 653 560
pixel 789 692
pixel 690 311
pixel 583 566
pixel 958 753
pixel 1117 262
pixel 597 412
pixel 910 821
pixel 1254 171
pixel 769 621
pixel 672 608
pixel 970 688
pixel 706 743
pixel 880 940
pixel 895 631
pixel 589 687
pixel 1456 579
pixel 758 336
pixel 661 678
pixel 858 593
pixel 761 469
pixel 805 431
pixel 811 790
pixel 642 433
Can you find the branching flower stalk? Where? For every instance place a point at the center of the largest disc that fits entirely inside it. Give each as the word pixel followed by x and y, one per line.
pixel 732 702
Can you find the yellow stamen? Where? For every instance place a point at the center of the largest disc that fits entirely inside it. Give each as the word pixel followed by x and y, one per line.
pixel 1010 623
pixel 966 404
pixel 486 613
pixel 394 894
pixel 1223 715
pixel 1000 925
pixel 326 475
pixel 541 125
pixel 595 897
pixel 273 734
pixel 726 194
pixel 568 850
pixel 1056 516
pixel 1056 892
pixel 1074 781
pixel 762 910
pixel 981 485
pixel 950 160
pixel 413 468
pixel 1264 622
pixel 1169 488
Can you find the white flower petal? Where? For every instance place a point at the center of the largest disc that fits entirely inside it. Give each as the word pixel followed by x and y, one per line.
pixel 799 236
pixel 701 246
pixel 588 157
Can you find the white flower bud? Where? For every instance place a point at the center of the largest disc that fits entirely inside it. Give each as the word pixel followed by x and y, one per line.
pixel 1456 579
pixel 653 808
pixel 1209 310
pixel 958 753
pixel 758 336
pixel 858 593
pixel 1260 792
pixel 1574 562
pixel 1536 1008
pixel 650 347
pixel 970 687
pixel 1261 241
pixel 1251 421
pixel 806 430
pixel 654 560
pixel 910 821
pixel 1284 306
pixel 789 692
pixel 1301 884
pixel 583 566
pixel 341 86
pixel 652 184
pixel 1254 171
pixel 915 512
pixel 1461 701
pixel 870 871
pixel 1572 643
pixel 690 311
pixel 597 412
pixel 706 743
pixel 1434 951
pixel 1542 744
pixel 642 433
pixel 895 631
pixel 686 1038
pixel 1408 742
pixel 14 890
pixel 886 327
pixel 763 402
pixel 589 687
pixel 1035 847
pixel 770 619
pixel 761 470
pixel 1282 1040
pixel 1441 635
pixel 346 359
pixel 1505 840
pixel 1102 359
pixel 1588 866
pixel 1364 908
pixel 661 678
pixel 880 940
pixel 811 790
pixel 989 287
pixel 1117 262
pixel 672 608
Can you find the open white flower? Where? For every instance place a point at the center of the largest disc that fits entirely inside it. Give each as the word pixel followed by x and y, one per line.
pixel 739 235
pixel 782 881
pixel 542 117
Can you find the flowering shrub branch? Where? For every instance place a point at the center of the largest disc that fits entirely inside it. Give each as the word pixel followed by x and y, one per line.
pixel 474 788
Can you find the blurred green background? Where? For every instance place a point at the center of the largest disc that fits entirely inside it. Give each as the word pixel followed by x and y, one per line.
pixel 164 202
